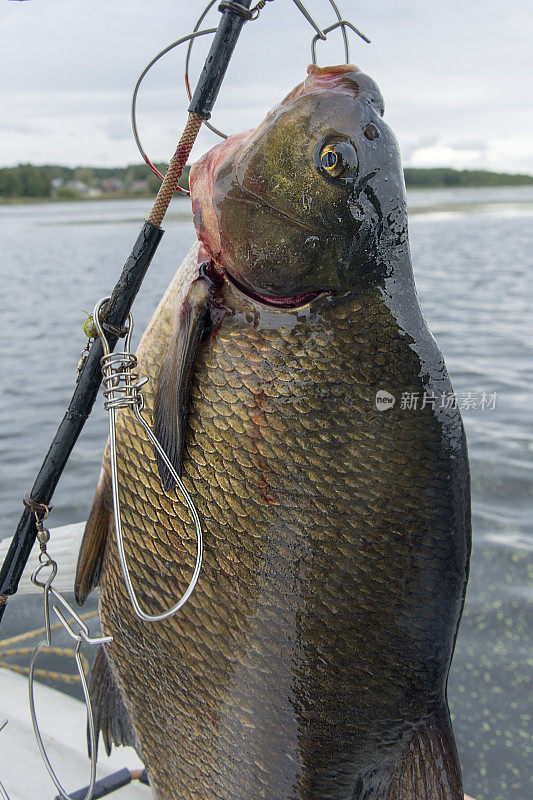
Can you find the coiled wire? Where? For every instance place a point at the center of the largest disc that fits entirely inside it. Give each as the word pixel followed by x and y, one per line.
pixel 122 390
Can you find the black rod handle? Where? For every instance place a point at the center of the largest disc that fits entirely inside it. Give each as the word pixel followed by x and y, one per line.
pixel 85 393
pixel 219 55
pixel 104 786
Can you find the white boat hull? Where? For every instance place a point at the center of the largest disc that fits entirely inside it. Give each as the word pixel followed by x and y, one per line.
pixel 64 547
pixel 62 720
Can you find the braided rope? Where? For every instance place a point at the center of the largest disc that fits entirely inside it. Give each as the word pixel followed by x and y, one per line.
pixel 63 677
pixel 173 174
pixel 21 637
pixel 47 674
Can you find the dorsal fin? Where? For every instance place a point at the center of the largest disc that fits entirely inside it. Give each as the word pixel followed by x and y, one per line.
pixel 174 383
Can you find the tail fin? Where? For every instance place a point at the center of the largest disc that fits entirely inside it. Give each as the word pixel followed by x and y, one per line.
pixel 428 767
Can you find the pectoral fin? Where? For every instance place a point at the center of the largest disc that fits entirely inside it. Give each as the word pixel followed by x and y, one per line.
pixel 174 383
pixel 94 539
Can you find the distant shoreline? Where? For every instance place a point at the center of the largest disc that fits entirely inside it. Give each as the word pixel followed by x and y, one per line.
pixel 35 201
pixel 31 201
pixel 27 183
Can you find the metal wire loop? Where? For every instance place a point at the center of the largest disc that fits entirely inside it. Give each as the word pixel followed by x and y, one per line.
pixel 255 11
pixel 342 23
pixel 3 794
pixel 253 14
pixel 122 390
pixel 90 720
pixel 46 561
pixel 156 58
pixel 68 618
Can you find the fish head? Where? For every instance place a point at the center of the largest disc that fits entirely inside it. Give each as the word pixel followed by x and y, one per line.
pixel 311 199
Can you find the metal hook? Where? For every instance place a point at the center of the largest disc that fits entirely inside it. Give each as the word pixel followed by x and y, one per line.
pixel 83 636
pixel 342 23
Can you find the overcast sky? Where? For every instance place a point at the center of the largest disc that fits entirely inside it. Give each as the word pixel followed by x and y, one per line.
pixel 456 76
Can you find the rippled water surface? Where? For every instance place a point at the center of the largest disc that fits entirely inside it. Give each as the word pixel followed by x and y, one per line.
pixel 473 258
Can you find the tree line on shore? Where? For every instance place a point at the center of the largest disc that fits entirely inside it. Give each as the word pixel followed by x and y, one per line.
pixel 67 183
pixel 73 183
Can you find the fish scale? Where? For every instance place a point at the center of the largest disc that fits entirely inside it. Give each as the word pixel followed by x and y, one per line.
pixel 295 610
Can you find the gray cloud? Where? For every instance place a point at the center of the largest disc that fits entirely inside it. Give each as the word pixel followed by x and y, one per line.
pixel 20 127
pixel 458 77
pixel 117 129
pixel 469 144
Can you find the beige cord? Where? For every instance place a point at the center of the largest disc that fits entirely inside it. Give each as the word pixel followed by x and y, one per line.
pixel 175 169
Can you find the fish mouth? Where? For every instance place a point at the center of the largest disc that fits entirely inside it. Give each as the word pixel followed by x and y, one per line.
pixel 289 301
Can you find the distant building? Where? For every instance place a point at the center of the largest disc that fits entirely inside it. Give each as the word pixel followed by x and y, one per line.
pixel 139 186
pixel 111 185
pixel 77 186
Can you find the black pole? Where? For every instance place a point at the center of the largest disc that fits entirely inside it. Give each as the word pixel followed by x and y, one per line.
pixel 85 393
pixel 234 15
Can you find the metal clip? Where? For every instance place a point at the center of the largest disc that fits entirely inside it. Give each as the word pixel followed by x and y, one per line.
pixel 342 23
pixel 122 389
pixel 83 635
pixel 231 5
pixel 47 562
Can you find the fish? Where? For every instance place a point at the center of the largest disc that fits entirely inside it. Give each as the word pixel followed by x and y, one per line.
pixel 297 390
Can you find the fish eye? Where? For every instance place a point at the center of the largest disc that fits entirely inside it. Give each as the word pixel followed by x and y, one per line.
pixel 329 159
pixel 337 158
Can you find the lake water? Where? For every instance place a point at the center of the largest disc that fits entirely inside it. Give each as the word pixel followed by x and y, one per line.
pixel 473 258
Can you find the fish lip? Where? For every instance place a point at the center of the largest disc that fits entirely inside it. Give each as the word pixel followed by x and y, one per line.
pixel 273 302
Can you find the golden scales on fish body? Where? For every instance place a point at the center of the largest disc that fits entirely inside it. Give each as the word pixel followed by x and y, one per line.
pixel 281 562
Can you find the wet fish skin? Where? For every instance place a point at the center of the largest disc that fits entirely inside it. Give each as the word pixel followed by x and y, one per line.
pixel 268 213
pixel 311 660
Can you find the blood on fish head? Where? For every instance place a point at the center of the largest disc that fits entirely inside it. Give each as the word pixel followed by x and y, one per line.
pixel 310 201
